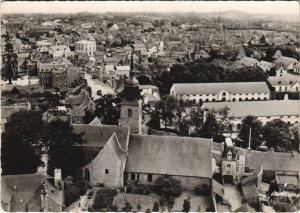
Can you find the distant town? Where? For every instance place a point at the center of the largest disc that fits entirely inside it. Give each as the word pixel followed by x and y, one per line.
pixel 150 112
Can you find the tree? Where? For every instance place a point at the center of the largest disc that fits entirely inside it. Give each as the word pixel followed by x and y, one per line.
pixel 144 80
pixel 25 125
pixel 167 186
pixel 9 68
pixel 58 135
pixel 186 205
pixel 154 123
pixel 256 131
pixel 108 108
pixel 17 157
pixel 210 126
pixel 155 207
pixel 277 135
pixel 138 206
pixel 196 119
pixel 167 107
pixel 88 117
pixel 104 198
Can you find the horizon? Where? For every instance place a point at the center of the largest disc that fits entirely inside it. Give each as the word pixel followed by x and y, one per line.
pixel 54 7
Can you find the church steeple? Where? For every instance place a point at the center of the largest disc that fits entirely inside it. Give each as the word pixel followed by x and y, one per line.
pixel 131 106
pixel 131 84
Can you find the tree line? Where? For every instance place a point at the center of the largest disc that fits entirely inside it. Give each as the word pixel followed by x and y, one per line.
pixel 200 71
pixel 185 119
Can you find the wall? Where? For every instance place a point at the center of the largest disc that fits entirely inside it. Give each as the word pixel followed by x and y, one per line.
pixel 187 183
pixel 134 122
pixel 106 159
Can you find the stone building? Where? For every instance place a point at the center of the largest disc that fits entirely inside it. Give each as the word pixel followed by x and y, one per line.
pixel 211 92
pixel 84 46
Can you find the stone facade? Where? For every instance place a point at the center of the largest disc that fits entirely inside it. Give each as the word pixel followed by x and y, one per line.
pixel 107 167
pixel 131 115
pixel 186 182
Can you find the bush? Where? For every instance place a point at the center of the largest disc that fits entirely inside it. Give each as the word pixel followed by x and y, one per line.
pixel 282 207
pixel 141 189
pixel 129 189
pixel 167 186
pixel 202 190
pixel 186 205
pixel 72 193
pixel 104 198
pixel 127 206
pixel 155 207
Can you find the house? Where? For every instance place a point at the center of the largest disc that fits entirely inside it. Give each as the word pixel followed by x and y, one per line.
pixel 283 64
pixel 76 116
pixel 286 110
pixel 43 46
pixel 285 83
pixel 265 65
pixel 288 180
pixel 59 79
pixel 150 93
pixel 32 192
pixel 233 163
pixel 225 64
pixel 58 51
pixel 210 92
pixel 111 61
pixel 85 47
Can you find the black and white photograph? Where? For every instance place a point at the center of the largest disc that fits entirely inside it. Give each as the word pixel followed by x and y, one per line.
pixel 150 106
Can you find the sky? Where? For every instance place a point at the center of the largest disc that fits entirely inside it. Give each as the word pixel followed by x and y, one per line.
pixel 268 7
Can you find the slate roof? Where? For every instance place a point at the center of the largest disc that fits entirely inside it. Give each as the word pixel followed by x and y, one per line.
pixel 26 188
pixel 6 111
pixel 289 179
pixel 215 88
pixel 97 136
pixel 287 79
pixel 173 155
pixel 284 62
pixel 266 108
pixel 77 112
pixel 250 191
pixel 273 161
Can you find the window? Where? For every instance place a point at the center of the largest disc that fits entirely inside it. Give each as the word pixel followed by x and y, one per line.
pixel 237 167
pixel 106 171
pixel 224 93
pixel 87 174
pixel 149 177
pixel 129 113
pixel 228 166
pixel 233 99
pixel 237 157
pixel 132 176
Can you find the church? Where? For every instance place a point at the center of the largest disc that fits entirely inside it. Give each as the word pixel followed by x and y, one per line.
pixel 121 155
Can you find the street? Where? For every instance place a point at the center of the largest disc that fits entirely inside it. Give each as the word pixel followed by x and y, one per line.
pixel 96 85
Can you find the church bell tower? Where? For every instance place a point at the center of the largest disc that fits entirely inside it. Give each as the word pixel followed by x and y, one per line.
pixel 131 106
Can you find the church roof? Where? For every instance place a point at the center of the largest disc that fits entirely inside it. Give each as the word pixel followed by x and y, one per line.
pixel 173 155
pixel 97 136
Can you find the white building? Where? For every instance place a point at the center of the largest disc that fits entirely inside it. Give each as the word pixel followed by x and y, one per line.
pixel 211 92
pixel 43 46
pixel 59 51
pixel 286 110
pixel 84 46
pixel 285 83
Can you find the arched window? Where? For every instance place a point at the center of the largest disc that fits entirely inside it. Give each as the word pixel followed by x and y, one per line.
pixel 224 93
pixel 87 175
pixel 252 99
pixel 265 98
pixel 194 101
pixel 130 113
pixel 207 100
pixel 240 99
pixel 223 99
pixel 233 99
pixel 246 99
pixel 213 99
pixel 258 99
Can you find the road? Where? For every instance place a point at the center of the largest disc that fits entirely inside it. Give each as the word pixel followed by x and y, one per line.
pixel 96 85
